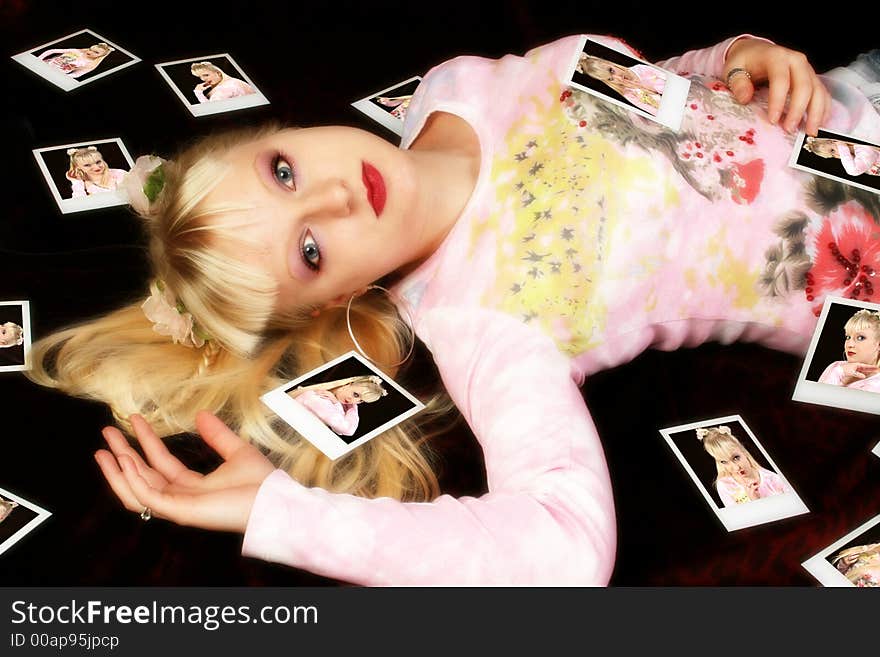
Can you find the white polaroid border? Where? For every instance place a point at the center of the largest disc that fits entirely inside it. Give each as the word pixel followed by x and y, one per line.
pixel 379 115
pixel 798 146
pixel 675 91
pixel 83 203
pixel 26 328
pixel 42 514
pixel 58 78
pixel 315 431
pixel 819 566
pixel 218 106
pixel 826 394
pixel 756 512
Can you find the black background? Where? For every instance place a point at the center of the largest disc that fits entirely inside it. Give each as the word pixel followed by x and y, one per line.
pixel 312 60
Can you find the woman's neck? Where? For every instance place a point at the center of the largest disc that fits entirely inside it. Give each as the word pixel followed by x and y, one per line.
pixel 446 159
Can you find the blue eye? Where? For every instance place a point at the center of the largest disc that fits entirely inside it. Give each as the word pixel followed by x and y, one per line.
pixel 311 252
pixel 283 172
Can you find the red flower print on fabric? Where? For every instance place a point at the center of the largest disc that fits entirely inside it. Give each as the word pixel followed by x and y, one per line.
pixel 847 256
pixel 744 181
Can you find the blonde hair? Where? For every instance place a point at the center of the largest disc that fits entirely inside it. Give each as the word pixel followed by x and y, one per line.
pixel 206 66
pixel 853 564
pixel 17 336
pixel 370 384
pixel 6 507
pixel 721 443
pixel 120 360
pixel 863 320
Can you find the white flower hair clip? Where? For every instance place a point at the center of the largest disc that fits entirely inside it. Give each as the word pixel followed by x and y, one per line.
pixel 144 182
pixel 169 317
pixel 702 433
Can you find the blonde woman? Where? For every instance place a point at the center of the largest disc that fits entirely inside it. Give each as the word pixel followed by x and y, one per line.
pixel 855 158
pixel 89 173
pixel 860 564
pixel 398 105
pixel 216 85
pixel 517 252
pixel 740 478
pixel 335 402
pixel 861 350
pixel 641 85
pixel 11 335
pixel 76 62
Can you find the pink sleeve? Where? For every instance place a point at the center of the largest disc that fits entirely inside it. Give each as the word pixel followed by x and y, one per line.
pixel 776 483
pixel 232 88
pixel 833 374
pixel 200 95
pixel 707 61
pixel 726 490
pixel 547 519
pixel 78 187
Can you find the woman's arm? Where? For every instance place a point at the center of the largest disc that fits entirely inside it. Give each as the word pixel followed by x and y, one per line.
pixel 325 406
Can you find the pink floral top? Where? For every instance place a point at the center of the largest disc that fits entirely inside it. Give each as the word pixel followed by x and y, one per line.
pixel 733 492
pixel 592 234
pixel 833 375
pixel 652 81
pixel 862 159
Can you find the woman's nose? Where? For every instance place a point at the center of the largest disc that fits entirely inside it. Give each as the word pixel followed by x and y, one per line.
pixel 330 198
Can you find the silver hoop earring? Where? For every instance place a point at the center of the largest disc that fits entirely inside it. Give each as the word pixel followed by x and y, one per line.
pixel 412 342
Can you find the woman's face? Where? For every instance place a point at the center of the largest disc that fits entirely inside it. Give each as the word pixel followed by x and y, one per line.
pixel 739 466
pixel 93 167
pixel 208 76
pixel 329 211
pixel 8 334
pixel 350 393
pixel 861 346
pixel 95 51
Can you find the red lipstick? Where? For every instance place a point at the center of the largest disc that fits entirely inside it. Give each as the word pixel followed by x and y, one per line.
pixel 375 185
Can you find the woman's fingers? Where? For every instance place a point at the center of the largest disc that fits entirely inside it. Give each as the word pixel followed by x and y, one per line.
pixel 217 435
pixel 158 455
pixel 120 446
pixel 117 480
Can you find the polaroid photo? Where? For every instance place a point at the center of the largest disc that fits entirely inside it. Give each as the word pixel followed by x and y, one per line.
pixel 876 450
pixel 854 560
pixel 634 84
pixel 733 472
pixel 76 59
pixel 840 157
pixel 85 175
pixel 389 106
pixel 824 377
pixel 18 517
pixel 15 336
pixel 211 84
pixel 342 404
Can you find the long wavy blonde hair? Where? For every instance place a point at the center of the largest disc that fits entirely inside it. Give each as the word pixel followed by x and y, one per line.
pixel 118 359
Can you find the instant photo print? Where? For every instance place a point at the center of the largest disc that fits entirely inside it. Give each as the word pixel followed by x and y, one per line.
pixel 211 84
pixel 76 59
pixel 84 175
pixel 735 508
pixel 388 107
pixel 838 156
pixel 819 381
pixel 337 409
pixel 18 517
pixel 854 560
pixel 15 336
pixel 634 84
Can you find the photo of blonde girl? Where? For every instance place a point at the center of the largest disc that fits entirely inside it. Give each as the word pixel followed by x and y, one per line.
pixel 856 158
pixel 335 403
pixel 11 335
pixel 76 62
pixel 14 335
pixel 860 564
pixel 860 367
pixel 216 84
pixel 90 174
pixel 740 479
pixel 639 84
pixel 6 507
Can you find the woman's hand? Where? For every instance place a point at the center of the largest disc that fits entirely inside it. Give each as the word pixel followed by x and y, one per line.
pixel 859 370
pixel 788 73
pixel 221 500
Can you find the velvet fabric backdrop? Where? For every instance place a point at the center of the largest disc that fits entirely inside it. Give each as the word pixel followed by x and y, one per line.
pixel 312 60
